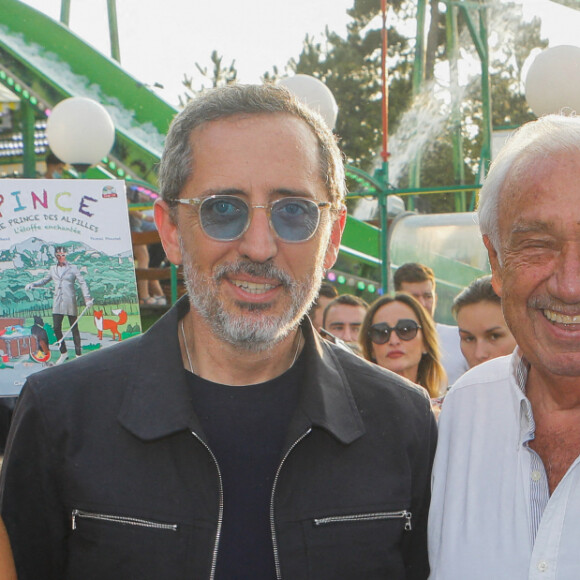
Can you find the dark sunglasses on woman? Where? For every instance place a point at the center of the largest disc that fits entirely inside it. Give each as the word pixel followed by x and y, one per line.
pixel 405 329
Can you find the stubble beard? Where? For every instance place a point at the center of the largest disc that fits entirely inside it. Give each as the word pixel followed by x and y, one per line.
pixel 250 330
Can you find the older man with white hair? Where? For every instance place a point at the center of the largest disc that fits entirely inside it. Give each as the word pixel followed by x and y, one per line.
pixel 506 481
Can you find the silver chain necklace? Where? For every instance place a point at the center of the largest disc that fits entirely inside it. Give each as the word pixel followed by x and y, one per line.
pixel 189 357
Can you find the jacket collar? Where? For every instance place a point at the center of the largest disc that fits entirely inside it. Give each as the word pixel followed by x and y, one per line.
pixel 157 402
pixel 326 399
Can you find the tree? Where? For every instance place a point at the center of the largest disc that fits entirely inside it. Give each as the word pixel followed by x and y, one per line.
pixel 510 45
pixel 570 3
pixel 219 75
pixel 351 68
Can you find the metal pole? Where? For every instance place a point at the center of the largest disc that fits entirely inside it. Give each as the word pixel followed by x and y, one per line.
pixel 383 174
pixel 457 139
pixel 114 30
pixel 419 61
pixel 418 78
pixel 385 86
pixel 65 12
pixel 29 155
pixel 485 95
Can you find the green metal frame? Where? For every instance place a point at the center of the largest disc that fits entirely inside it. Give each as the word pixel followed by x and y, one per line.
pixel 479 38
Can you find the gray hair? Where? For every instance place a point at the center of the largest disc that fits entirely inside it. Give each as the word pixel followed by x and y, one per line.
pixel 177 160
pixel 535 140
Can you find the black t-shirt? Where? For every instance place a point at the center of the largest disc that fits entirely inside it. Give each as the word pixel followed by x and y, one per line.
pixel 245 427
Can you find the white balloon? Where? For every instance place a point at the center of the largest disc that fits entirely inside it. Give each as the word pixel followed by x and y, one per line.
pixel 80 131
pixel 315 94
pixel 553 80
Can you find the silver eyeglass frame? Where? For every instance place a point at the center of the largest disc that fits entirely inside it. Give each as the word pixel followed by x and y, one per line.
pixel 197 202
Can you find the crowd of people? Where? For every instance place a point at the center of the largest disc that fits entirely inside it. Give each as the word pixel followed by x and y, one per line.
pixel 398 332
pixel 241 438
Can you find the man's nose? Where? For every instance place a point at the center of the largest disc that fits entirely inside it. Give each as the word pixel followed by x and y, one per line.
pixel 564 282
pixel 259 243
pixel 351 334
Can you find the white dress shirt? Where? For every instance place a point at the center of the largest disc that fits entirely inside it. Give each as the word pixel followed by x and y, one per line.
pixel 491 515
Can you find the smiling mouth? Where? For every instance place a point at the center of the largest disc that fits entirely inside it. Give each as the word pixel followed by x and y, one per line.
pixel 253 287
pixel 560 318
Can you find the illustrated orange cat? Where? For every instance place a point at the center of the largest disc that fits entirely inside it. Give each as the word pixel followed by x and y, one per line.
pixel 103 323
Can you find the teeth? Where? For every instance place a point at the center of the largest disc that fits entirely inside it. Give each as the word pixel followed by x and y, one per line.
pixel 252 287
pixel 561 318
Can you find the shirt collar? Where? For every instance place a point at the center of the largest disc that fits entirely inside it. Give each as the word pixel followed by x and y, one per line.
pixel 520 370
pixel 157 401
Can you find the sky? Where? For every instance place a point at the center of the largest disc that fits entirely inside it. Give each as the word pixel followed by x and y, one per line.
pixel 161 40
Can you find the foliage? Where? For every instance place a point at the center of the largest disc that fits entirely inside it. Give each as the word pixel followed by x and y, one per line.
pixel 570 3
pixel 511 41
pixel 219 75
pixel 351 67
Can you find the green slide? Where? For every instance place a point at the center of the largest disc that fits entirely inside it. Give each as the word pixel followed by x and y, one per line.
pixel 47 62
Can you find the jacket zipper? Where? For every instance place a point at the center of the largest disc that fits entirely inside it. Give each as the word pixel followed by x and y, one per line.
pixel 367 518
pixel 81 514
pixel 221 508
pixel 272 522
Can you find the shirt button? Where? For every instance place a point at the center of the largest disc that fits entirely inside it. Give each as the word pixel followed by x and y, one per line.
pixel 536 475
pixel 542 565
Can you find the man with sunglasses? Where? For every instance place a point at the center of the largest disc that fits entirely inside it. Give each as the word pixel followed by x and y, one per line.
pixel 230 440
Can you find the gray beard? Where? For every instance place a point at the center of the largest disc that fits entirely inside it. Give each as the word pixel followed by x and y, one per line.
pixel 248 332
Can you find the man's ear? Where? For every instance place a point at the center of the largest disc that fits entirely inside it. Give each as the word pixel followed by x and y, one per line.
pixel 495 265
pixel 335 237
pixel 168 231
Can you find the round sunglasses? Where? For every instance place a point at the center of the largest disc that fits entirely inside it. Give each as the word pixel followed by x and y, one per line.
pixel 227 217
pixel 405 329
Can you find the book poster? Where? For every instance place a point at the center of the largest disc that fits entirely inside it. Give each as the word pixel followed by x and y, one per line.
pixel 67 276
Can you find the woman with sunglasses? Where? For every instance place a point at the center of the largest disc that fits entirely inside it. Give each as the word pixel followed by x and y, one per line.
pixel 399 335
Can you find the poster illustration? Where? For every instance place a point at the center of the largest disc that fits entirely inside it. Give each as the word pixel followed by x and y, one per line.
pixel 67 277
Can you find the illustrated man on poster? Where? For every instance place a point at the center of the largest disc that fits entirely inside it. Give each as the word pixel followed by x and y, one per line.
pixel 64 276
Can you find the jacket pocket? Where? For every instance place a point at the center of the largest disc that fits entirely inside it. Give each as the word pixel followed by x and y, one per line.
pixel 121 520
pixel 121 546
pixel 357 545
pixel 367 517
